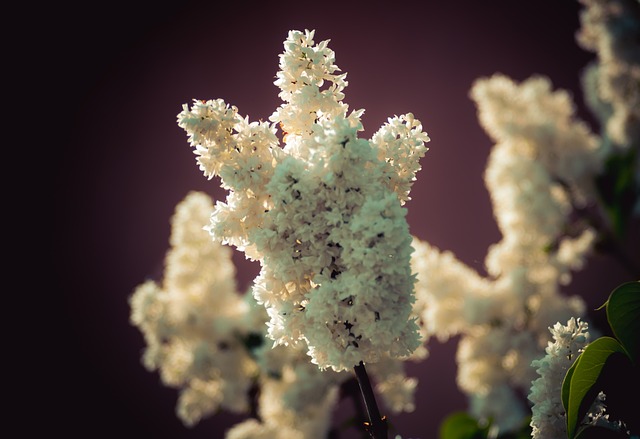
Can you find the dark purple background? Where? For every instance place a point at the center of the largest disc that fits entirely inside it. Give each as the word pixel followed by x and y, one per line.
pixel 125 69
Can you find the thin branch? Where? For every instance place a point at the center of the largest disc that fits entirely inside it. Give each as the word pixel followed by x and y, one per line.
pixel 377 425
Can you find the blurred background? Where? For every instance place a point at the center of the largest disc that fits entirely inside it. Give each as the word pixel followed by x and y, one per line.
pixel 123 70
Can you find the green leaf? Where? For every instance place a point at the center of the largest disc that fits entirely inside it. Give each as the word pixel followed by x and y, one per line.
pixel 623 314
pixel 460 425
pixel 586 371
pixel 566 386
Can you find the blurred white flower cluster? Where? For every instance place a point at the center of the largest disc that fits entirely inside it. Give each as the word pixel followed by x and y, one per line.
pixel 323 213
pixel 194 322
pixel 209 341
pixel 612 81
pixel 541 176
pixel 535 175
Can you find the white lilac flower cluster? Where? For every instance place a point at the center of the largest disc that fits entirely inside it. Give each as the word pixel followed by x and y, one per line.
pixel 209 341
pixel 597 416
pixel 548 415
pixel 501 324
pixel 194 322
pixel 611 29
pixel 323 213
pixel 541 168
pixel 541 172
pixel 538 170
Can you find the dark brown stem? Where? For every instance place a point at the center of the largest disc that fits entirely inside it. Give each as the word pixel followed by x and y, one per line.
pixel 350 389
pixel 377 425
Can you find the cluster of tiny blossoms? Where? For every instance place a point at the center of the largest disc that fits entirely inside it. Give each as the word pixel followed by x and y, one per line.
pixel 597 416
pixel 611 29
pixel 541 177
pixel 194 322
pixel 323 213
pixel 540 169
pixel 501 324
pixel 209 341
pixel 548 415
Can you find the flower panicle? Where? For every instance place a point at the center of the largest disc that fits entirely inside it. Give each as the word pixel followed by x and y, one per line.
pixel 323 212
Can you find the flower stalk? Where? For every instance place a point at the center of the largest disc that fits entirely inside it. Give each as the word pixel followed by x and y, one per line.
pixel 377 425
